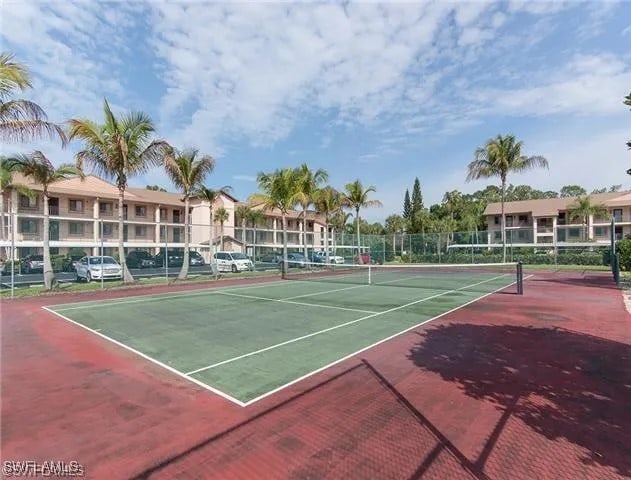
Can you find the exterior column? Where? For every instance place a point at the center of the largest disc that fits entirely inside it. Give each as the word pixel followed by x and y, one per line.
pixel 534 230
pixel 275 227
pixel 554 233
pixel 156 233
pixel 590 227
pixel 96 229
pixel 302 231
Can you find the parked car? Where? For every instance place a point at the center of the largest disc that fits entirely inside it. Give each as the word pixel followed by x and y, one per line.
pixel 366 259
pixel 296 260
pixel 33 263
pixel 332 258
pixel 73 257
pixel 271 257
pixel 314 257
pixel 140 259
pixel 195 259
pixel 232 262
pixel 176 258
pixel 94 268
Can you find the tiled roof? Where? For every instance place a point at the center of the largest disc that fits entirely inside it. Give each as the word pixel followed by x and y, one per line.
pixel 551 206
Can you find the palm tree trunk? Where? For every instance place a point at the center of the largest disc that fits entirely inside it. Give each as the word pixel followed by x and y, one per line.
pixel 503 226
pixel 127 276
pixel 326 239
pixel 254 244
pixel 304 230
pixel 222 235
pixel 2 225
pixel 211 240
pixel 184 271
pixel 284 225
pixel 359 252
pixel 49 276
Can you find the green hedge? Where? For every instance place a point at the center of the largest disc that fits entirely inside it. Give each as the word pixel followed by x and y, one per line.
pixel 529 258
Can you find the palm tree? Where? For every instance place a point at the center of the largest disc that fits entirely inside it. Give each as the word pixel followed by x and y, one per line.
pixel 211 196
pixel 39 169
pixel 7 172
pixel 221 216
pixel 241 215
pixel 395 224
pixel 356 198
pixel 309 183
pixel 338 224
pixel 280 190
pixel 499 157
pixel 583 209
pixel 254 217
pixel 327 201
pixel 21 120
pixel 119 148
pixel 187 171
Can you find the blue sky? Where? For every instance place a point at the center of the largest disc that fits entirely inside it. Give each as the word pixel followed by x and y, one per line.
pixel 383 92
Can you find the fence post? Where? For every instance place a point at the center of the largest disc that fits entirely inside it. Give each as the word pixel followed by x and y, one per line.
pixel 520 278
pixel 166 253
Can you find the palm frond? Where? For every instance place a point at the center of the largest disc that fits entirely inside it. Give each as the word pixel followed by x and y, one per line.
pixel 13 76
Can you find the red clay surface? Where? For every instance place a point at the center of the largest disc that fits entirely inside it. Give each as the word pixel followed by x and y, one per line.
pixel 511 387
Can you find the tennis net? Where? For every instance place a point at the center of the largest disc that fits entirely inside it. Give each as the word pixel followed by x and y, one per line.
pixel 441 276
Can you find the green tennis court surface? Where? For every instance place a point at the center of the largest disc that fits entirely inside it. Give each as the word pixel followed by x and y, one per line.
pixel 248 342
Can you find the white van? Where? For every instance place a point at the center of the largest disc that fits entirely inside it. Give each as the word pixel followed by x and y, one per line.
pixel 232 262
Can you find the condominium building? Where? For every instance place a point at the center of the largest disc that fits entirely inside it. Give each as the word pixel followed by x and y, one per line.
pixel 548 221
pixel 84 214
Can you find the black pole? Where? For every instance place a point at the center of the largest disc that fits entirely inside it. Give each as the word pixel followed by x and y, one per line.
pixel 520 278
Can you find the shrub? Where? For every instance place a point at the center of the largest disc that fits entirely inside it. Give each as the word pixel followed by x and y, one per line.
pixel 623 248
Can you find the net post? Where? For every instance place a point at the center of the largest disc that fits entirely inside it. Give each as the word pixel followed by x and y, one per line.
pixel 520 278
pixel 369 274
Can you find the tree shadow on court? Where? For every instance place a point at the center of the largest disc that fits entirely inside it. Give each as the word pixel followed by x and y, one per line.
pixel 561 384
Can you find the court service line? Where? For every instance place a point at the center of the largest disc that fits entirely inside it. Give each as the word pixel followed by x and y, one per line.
pixel 313 334
pixel 147 357
pixel 253 297
pixel 350 355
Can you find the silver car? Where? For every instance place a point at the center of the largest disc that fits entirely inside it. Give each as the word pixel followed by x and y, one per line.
pixel 95 268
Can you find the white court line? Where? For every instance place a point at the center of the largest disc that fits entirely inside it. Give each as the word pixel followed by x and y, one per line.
pixel 153 360
pixel 293 340
pixel 294 303
pixel 339 360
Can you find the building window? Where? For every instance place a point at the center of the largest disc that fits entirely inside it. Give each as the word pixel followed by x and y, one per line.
pixel 310 225
pixel 600 231
pixel 141 211
pixel 617 214
pixel 106 208
pixel 176 216
pixel 108 229
pixel 75 228
pixel 75 205
pixel 164 215
pixel 574 232
pixel 498 236
pixel 28 202
pixel 497 219
pixel 28 225
pixel 523 218
pixel 141 231
pixel 522 235
pixel 321 230
pixel 509 221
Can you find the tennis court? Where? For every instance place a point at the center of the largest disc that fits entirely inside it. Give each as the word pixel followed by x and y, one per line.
pixel 245 343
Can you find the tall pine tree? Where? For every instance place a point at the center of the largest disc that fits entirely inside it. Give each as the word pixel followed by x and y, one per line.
pixel 407 205
pixel 417 198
